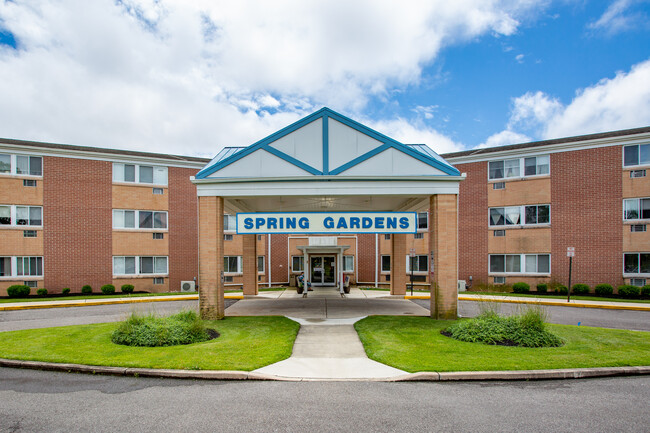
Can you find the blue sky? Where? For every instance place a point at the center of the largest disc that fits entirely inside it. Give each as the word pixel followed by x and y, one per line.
pixel 189 78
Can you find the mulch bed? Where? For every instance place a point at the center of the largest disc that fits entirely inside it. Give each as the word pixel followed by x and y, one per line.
pixel 212 333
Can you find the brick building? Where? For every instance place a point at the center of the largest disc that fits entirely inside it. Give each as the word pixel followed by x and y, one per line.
pixel 72 215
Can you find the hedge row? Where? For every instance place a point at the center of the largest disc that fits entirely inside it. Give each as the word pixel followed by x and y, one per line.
pixel 625 290
pixel 23 291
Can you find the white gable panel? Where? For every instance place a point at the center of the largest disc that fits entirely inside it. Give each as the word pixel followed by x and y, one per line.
pixel 260 164
pixel 392 162
pixel 347 143
pixel 305 144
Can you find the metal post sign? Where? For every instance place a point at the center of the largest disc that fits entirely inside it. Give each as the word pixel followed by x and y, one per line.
pixel 570 251
pixel 326 222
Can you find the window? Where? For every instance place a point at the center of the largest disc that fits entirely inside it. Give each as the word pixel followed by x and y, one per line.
pixel 29 266
pixel 21 215
pixel 385 263
pixel 126 219
pixel 638 228
pixel 387 237
pixel 5 266
pixel 31 284
pixel 5 163
pixel 159 280
pixel 512 168
pixel 520 263
pixel 227 237
pixel 499 185
pixel 536 165
pixel 260 263
pixel 418 236
pixel 139 174
pixel 29 182
pixel 420 263
pixel 639 282
pixel 636 263
pixel 158 235
pixel 21 164
pixel 423 220
pixel 29 233
pixel 507 216
pixel 297 263
pixel 134 265
pixel 638 154
pixel 503 169
pixel 498 233
pixel 232 264
pixel 348 263
pixel 228 279
pixel 229 223
pixel 636 208
pixel 499 280
pixel 158 191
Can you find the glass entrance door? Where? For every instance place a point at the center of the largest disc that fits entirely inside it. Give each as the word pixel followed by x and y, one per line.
pixel 323 270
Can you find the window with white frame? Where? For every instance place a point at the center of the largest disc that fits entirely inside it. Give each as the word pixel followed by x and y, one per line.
pixel 5 267
pixel 519 167
pixel 638 154
pixel 385 263
pixel 21 164
pixel 140 265
pixel 423 220
pixel 348 263
pixel 29 266
pixel 520 215
pixel 636 263
pixel 232 264
pixel 298 263
pixel 636 208
pixel 260 264
pixel 11 215
pixel 520 263
pixel 420 263
pixel 135 173
pixel 139 219
pixel 229 223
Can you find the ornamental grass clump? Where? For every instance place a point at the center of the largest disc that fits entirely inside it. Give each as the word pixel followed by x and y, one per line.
pixel 152 331
pixel 527 329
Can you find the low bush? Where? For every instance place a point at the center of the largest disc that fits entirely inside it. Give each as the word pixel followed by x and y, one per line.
pixel 86 290
pixel 561 290
pixel 127 288
pixel 108 289
pixel 629 291
pixel 41 292
pixel 65 291
pixel 527 329
pixel 152 331
pixel 580 289
pixel 542 288
pixel 645 290
pixel 521 287
pixel 18 291
pixel 604 289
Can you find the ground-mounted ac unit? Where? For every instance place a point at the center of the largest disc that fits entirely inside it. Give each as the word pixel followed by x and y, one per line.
pixel 188 286
pixel 462 285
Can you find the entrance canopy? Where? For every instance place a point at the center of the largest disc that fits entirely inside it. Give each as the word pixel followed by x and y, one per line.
pixel 327 162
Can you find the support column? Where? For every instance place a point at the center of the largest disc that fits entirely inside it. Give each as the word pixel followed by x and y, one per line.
pixel 443 243
pixel 249 266
pixel 211 300
pixel 398 264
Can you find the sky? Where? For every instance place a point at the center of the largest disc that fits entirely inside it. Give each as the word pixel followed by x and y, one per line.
pixel 191 77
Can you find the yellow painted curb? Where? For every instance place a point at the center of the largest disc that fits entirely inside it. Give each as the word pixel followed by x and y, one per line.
pixel 557 304
pixel 85 303
pixel 417 297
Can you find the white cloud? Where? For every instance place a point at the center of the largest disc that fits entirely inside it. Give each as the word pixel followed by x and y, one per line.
pixel 191 77
pixel 410 132
pixel 519 58
pixel 532 111
pixel 619 18
pixel 505 138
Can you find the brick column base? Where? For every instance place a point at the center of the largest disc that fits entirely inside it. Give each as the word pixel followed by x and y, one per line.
pixel 398 264
pixel 211 299
pixel 249 266
pixel 443 242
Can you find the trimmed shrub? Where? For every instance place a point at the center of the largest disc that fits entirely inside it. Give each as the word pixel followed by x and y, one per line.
pixel 18 291
pixel 604 289
pixel 561 290
pixel 86 290
pixel 521 287
pixel 580 289
pixel 151 331
pixel 127 288
pixel 645 290
pixel 542 288
pixel 41 292
pixel 629 291
pixel 65 291
pixel 108 289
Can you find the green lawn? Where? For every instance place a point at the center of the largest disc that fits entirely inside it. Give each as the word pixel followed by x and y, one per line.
pixel 574 297
pixel 246 343
pixel 415 344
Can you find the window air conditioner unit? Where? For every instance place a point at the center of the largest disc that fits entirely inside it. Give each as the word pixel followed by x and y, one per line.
pixel 188 286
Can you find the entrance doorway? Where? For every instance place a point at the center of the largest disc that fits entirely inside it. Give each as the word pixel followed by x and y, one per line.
pixel 323 270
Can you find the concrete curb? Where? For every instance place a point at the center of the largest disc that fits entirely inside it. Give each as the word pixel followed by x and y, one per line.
pixel 464 376
pixel 546 303
pixel 91 302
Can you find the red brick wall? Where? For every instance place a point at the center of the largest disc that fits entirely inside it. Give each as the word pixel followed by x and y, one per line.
pixel 77 223
pixel 183 227
pixel 366 258
pixel 473 223
pixel 586 214
pixel 280 260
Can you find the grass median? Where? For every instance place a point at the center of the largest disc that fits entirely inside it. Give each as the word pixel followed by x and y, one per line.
pixel 245 343
pixel 415 344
